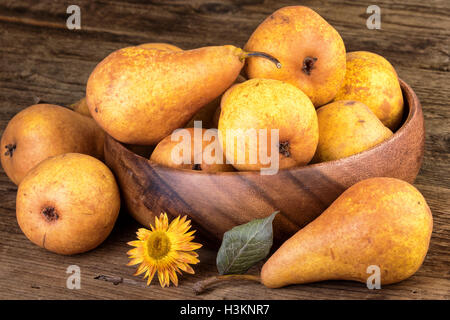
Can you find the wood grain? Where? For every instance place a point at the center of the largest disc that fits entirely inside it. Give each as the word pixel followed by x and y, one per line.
pixel 42 60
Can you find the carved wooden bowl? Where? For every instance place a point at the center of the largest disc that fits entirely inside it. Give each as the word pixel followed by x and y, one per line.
pixel 219 201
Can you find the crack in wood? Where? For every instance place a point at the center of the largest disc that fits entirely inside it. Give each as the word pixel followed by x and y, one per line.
pixel 114 280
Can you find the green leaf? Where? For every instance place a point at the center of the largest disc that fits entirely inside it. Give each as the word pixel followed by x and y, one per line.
pixel 245 245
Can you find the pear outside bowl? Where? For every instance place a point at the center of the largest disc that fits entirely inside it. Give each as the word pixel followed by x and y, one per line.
pixel 216 202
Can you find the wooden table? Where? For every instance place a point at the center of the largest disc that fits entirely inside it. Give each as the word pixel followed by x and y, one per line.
pixel 41 60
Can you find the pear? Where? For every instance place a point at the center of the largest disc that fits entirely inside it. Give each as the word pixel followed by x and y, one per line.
pixel 381 222
pixel 139 95
pixel 81 105
pixel 347 127
pixel 371 79
pixel 82 108
pixel 311 51
pixel 163 153
pixel 42 131
pixel 267 104
pixel 68 204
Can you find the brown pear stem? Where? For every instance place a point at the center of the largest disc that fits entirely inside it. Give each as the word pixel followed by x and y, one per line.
pixel 200 286
pixel 262 55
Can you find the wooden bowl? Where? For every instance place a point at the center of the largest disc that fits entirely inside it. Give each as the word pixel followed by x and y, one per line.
pixel 217 202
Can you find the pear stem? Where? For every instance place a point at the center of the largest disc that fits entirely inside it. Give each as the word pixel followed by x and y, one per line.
pixel 262 55
pixel 74 105
pixel 200 286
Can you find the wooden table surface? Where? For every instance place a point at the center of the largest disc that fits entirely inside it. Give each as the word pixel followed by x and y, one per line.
pixel 41 60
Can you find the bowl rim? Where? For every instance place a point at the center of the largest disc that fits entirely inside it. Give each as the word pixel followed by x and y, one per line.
pixel 410 99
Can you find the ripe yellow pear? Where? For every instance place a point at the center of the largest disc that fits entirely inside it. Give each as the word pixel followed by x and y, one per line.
pixel 163 153
pixel 347 127
pixel 311 51
pixel 372 80
pixel 81 105
pixel 42 131
pixel 140 95
pixel 381 222
pixel 68 204
pixel 268 104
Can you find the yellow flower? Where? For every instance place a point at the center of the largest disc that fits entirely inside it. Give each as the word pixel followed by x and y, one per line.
pixel 166 249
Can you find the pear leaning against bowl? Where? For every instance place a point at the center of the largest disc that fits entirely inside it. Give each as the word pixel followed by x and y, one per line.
pixel 68 204
pixel 45 130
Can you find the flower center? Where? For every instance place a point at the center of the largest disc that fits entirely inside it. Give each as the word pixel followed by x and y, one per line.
pixel 158 245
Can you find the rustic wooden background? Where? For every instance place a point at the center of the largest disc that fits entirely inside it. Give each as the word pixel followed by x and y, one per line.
pixel 41 60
